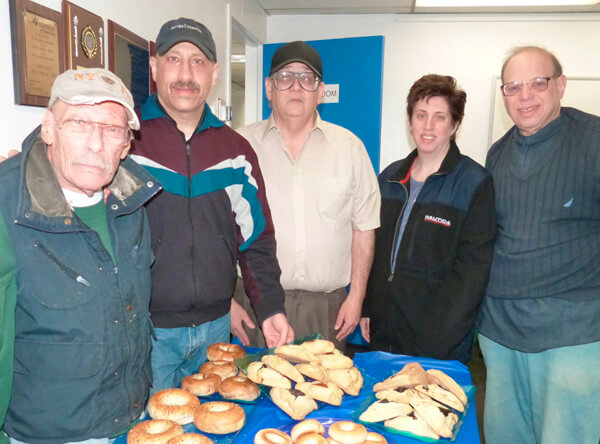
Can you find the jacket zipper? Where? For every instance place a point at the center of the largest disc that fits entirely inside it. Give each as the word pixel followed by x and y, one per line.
pixel 392 253
pixel 188 154
pixel 68 271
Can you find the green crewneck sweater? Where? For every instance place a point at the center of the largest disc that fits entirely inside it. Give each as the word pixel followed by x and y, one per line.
pixel 94 217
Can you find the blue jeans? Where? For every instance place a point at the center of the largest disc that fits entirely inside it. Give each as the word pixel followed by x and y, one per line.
pixel 179 352
pixel 551 397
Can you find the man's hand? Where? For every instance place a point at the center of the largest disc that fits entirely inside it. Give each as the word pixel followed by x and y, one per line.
pixel 277 330
pixel 348 316
pixel 10 154
pixel 365 328
pixel 239 317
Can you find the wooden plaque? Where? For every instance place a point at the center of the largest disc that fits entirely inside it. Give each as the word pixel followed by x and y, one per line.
pixel 84 37
pixel 37 46
pixel 129 58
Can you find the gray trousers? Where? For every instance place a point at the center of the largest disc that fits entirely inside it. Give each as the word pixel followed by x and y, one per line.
pixel 308 312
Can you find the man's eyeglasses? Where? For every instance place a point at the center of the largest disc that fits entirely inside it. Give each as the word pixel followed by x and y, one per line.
pixel 538 84
pixel 110 134
pixel 285 79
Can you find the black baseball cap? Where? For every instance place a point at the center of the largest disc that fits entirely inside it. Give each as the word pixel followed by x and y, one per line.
pixel 297 51
pixel 186 30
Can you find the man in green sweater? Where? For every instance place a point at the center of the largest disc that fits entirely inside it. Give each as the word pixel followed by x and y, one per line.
pixel 539 322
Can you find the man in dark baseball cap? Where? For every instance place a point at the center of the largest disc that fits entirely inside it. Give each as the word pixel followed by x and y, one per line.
pixel 211 213
pixel 186 30
pixel 302 155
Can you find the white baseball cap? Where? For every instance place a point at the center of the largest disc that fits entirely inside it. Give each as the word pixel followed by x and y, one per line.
pixel 91 86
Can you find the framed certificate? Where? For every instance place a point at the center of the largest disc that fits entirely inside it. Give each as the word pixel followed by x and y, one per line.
pixel 37 46
pixel 129 58
pixel 84 37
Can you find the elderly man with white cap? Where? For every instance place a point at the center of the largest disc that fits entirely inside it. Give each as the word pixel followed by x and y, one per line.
pixel 75 262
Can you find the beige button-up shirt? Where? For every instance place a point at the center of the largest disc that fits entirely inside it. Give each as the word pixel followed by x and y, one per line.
pixel 316 200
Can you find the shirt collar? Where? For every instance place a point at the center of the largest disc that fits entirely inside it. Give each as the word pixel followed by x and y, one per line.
pixel 319 125
pixel 542 135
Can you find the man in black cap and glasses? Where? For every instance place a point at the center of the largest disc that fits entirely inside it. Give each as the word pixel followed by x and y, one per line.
pixel 324 198
pixel 212 214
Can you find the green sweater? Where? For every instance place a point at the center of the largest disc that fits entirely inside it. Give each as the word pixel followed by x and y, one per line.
pixel 8 292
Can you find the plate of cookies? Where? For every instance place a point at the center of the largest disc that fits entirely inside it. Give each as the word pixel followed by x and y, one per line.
pixel 301 376
pixel 425 405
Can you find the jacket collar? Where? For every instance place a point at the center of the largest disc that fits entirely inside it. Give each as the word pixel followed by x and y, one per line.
pixel 152 109
pixel 449 162
pixel 41 200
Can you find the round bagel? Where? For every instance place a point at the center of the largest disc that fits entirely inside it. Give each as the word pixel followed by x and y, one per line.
pixel 271 436
pixel 375 438
pixel 219 417
pixel 221 351
pixel 311 438
pixel 224 369
pixel 154 431
pixel 307 426
pixel 348 432
pixel 239 387
pixel 201 384
pixel 190 438
pixel 175 404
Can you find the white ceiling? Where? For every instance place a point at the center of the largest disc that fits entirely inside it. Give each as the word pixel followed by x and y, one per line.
pixel 291 7
pixel 279 7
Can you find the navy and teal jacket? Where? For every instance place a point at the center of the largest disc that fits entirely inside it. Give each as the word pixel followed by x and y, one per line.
pixel 211 214
pixel 428 303
pixel 82 324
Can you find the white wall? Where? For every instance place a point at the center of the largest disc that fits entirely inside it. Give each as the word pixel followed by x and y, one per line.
pixel 468 47
pixel 143 18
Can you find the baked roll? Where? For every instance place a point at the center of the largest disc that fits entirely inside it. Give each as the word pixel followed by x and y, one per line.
pixel 326 392
pixel 382 410
pixel 412 374
pixel 349 380
pixel 260 373
pixel 295 353
pixel 293 402
pixel 284 367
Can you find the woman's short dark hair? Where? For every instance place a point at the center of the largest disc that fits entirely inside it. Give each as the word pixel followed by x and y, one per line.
pixel 435 85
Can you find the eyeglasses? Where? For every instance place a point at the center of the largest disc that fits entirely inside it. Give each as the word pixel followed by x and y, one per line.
pixel 538 84
pixel 110 134
pixel 285 79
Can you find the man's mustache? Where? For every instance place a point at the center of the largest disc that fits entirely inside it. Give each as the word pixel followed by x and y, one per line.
pixel 187 85
pixel 94 162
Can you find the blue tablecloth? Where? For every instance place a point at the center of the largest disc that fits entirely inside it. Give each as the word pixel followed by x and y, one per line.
pixel 375 366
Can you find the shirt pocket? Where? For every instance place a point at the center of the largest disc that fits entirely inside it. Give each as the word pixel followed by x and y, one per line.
pixel 65 286
pixel 335 199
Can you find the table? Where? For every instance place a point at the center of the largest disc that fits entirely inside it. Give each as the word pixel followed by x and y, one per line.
pixel 375 366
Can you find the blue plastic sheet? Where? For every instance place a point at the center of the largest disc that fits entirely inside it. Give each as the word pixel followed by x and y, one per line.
pixel 375 366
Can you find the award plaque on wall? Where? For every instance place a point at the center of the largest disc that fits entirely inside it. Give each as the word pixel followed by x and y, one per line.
pixel 37 47
pixel 84 37
pixel 129 58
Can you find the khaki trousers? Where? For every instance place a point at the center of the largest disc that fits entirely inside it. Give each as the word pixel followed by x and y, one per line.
pixel 307 312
